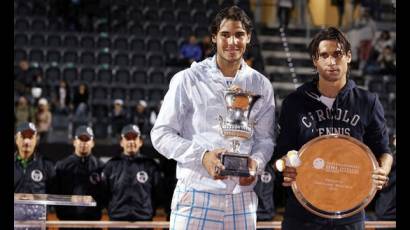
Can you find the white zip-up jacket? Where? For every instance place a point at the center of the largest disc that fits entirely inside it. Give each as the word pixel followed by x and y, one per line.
pixel 188 123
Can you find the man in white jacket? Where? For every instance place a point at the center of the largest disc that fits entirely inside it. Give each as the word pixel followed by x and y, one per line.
pixel 187 130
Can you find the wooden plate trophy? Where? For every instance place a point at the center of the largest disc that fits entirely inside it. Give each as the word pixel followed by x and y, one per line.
pixel 334 178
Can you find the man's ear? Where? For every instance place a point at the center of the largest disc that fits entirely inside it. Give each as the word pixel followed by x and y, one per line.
pixel 349 56
pixel 213 38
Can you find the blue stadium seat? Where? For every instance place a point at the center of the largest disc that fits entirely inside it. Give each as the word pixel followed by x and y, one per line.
pixel 53 56
pixel 71 41
pixel 70 75
pixel 104 57
pixel 152 29
pixel 87 75
pixel 156 76
pixel 103 41
pixel 21 24
pixel 87 58
pixel 167 15
pixel 104 77
pixel 153 44
pixel 139 60
pixel 121 59
pixel 169 30
pixel 36 55
pixel 21 39
pixel 121 77
pixel 70 56
pixel 121 43
pixel 54 40
pixel 19 54
pixel 39 24
pixel 52 75
pixel 137 44
pixel 139 76
pixel 155 59
pixel 87 42
pixel 151 14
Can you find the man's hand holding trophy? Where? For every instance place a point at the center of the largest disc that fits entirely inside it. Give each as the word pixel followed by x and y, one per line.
pixel 235 127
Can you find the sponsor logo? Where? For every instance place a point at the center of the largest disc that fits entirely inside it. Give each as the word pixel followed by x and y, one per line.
pixel 142 177
pixel 318 163
pixel 36 175
pixel 266 177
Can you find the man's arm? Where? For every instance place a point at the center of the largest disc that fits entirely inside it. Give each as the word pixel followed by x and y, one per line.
pixel 165 134
pixel 262 148
pixel 377 138
pixel 381 174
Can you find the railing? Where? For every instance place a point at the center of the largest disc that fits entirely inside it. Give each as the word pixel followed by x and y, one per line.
pixel 165 224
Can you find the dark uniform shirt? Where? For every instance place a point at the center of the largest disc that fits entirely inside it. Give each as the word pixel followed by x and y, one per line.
pixel 131 182
pixel 356 112
pixel 264 189
pixel 34 175
pixel 79 176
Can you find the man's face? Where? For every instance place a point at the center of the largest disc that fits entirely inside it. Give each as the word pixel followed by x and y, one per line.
pixel 231 41
pixel 26 142
pixel 24 65
pixel 83 145
pixel 332 62
pixel 131 143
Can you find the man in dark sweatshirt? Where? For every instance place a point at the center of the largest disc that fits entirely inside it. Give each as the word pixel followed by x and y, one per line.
pixel 80 174
pixel 332 103
pixel 131 180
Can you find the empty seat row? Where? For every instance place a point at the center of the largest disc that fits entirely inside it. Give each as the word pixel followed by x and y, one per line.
pixel 150 58
pixel 103 75
pixel 167 44
pixel 187 16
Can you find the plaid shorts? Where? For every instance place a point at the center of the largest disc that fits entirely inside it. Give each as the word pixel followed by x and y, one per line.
pixel 193 209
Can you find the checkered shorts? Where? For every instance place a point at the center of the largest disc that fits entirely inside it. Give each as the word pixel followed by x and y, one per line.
pixel 193 209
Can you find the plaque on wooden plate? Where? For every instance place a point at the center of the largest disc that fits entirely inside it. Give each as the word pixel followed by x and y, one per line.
pixel 335 177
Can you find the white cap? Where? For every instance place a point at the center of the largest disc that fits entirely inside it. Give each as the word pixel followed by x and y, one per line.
pixel 118 101
pixel 143 103
pixel 36 92
pixel 42 101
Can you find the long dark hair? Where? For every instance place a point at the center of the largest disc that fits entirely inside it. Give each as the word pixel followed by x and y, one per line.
pixel 330 33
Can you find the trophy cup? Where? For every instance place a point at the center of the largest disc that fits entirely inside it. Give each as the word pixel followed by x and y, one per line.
pixel 236 127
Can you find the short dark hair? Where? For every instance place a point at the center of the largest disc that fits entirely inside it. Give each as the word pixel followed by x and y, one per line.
pixel 233 13
pixel 330 33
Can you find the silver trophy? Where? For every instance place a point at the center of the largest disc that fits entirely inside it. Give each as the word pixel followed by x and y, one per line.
pixel 237 127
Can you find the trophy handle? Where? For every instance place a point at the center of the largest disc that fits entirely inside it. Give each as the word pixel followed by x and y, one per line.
pixel 254 98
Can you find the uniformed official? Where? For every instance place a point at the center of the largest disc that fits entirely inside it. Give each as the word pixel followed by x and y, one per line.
pixel 80 174
pixel 32 172
pixel 264 189
pixel 131 180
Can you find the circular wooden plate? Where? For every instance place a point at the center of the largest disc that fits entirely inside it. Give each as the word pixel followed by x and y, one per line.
pixel 335 177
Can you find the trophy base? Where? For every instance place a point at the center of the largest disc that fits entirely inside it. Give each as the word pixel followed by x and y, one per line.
pixel 235 165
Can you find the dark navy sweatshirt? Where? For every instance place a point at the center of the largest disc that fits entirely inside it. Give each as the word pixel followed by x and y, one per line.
pixel 356 112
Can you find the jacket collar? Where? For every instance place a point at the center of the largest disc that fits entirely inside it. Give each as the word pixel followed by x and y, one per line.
pixel 311 90
pixel 213 70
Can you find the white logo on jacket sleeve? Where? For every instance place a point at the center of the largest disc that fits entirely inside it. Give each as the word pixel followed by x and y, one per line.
pixel 266 177
pixel 142 177
pixel 36 175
